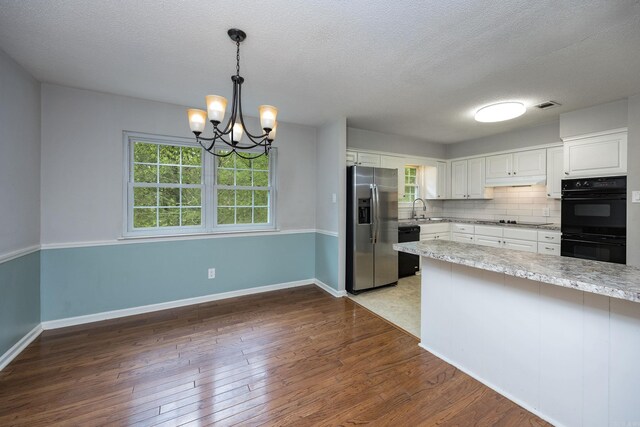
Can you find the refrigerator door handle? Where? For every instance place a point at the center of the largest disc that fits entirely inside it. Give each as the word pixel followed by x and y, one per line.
pixel 377 213
pixel 374 207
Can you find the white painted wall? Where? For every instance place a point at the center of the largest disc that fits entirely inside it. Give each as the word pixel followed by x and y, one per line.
pixel 612 115
pixel 327 175
pixel 633 182
pixel 82 162
pixel 370 140
pixel 546 133
pixel 19 157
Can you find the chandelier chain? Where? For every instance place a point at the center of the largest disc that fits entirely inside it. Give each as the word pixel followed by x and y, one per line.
pixel 237 58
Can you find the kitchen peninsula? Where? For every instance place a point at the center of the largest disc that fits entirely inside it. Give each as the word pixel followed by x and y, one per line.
pixel 559 336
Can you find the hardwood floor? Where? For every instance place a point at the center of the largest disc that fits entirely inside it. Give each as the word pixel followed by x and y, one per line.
pixel 292 357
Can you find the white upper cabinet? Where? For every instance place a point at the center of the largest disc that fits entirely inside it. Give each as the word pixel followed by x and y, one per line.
pixel 596 155
pixel 499 166
pixel 363 159
pixel 442 180
pixel 555 172
pixel 435 181
pixel 467 179
pixel 512 168
pixel 530 163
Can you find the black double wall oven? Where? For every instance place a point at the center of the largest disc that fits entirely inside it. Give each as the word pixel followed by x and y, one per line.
pixel 594 218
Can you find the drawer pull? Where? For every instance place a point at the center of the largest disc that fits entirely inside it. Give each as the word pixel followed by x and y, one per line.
pixel 548 237
pixel 549 249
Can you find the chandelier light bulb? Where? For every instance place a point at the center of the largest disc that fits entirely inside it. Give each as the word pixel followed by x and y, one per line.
pixel 237 132
pixel 500 112
pixel 197 119
pixel 272 133
pixel 268 114
pixel 216 107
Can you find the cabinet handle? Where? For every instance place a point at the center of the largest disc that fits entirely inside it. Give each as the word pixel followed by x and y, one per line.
pixel 509 173
pixel 566 173
pixel 548 237
pixel 549 249
pixel 514 173
pixel 548 195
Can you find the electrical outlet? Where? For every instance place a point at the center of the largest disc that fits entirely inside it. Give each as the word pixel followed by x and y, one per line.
pixel 212 273
pixel 545 211
pixel 635 197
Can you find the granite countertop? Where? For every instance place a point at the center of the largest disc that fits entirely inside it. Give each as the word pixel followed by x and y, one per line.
pixel 603 278
pixel 550 227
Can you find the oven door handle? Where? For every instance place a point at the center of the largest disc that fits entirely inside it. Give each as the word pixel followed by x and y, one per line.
pixel 566 198
pixel 594 242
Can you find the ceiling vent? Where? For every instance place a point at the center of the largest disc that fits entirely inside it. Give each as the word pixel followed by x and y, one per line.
pixel 547 105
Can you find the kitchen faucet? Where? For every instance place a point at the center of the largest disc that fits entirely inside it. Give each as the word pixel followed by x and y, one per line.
pixel 413 207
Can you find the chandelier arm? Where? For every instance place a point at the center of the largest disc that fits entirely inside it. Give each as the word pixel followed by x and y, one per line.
pixel 250 157
pixel 251 136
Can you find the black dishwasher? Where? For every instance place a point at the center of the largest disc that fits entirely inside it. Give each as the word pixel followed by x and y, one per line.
pixel 408 264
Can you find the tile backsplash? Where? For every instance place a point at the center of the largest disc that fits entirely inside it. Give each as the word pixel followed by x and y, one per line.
pixel 523 204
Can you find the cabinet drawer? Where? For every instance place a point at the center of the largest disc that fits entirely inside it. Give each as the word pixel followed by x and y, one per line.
pixel 434 228
pixel 492 241
pixel 462 228
pixel 521 245
pixel 488 231
pixel 462 237
pixel 520 234
pixel 549 236
pixel 428 236
pixel 548 248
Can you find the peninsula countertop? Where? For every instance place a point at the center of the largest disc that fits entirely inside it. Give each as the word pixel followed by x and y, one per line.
pixel 603 278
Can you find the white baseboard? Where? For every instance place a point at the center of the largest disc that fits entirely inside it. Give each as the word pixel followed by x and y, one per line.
pixel 493 387
pixel 17 348
pixel 114 314
pixel 329 289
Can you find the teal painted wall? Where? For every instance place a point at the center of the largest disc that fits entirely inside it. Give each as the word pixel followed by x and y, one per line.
pixel 89 280
pixel 19 298
pixel 327 259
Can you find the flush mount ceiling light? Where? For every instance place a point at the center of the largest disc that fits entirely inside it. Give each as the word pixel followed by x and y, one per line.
pixel 229 136
pixel 500 112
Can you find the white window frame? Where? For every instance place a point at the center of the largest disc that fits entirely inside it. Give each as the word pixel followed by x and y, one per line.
pixel 209 194
pixel 419 182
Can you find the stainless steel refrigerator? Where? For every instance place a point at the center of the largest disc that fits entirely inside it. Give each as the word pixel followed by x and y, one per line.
pixel 372 228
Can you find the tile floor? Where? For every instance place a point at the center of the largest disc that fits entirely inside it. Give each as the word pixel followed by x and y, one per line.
pixel 398 304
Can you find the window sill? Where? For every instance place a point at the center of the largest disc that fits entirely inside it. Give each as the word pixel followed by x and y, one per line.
pixel 199 235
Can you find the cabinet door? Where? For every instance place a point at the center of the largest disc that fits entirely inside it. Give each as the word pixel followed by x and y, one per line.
pixel 459 179
pixel 352 158
pixel 596 156
pixel 494 242
pixel 441 180
pixel 499 166
pixel 428 236
pixel 555 168
pixel 475 178
pixel 530 163
pixel 463 238
pixel 521 245
pixel 366 159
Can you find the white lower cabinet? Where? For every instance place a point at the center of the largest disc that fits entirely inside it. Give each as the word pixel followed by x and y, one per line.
pixel 494 242
pixel 520 245
pixel 439 231
pixel 548 248
pixel 462 237
pixel 514 238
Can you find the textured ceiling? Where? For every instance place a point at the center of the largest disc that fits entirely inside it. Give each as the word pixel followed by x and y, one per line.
pixel 415 68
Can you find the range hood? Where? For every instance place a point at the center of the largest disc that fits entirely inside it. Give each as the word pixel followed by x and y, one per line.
pixel 516 181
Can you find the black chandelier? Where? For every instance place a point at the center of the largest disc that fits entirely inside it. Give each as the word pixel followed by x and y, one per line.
pixel 229 136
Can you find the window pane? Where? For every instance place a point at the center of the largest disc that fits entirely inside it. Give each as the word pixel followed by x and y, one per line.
pixel 144 196
pixel 191 197
pixel 243 198
pixel 169 217
pixel 225 177
pixel 226 216
pixel 226 197
pixel 261 215
pixel 191 216
pixel 261 163
pixel 261 198
pixel 226 162
pixel 244 215
pixel 191 156
pixel 191 175
pixel 242 163
pixel 169 154
pixel 261 179
pixel 170 174
pixel 144 218
pixel 146 153
pixel 145 173
pixel 169 196
pixel 243 177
